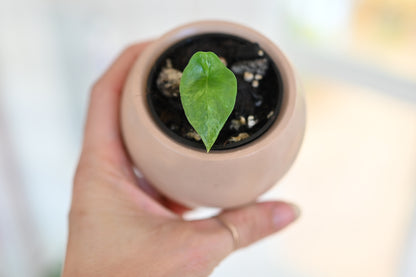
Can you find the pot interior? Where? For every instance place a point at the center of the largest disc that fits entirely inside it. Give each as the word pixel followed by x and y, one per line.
pixel 259 90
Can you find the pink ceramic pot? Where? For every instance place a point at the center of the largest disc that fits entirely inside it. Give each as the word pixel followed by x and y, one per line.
pixel 223 178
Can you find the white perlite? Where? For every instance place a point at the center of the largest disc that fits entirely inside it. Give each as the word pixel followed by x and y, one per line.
pixel 251 121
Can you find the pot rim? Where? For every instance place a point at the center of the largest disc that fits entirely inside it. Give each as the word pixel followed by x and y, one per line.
pixel 147 59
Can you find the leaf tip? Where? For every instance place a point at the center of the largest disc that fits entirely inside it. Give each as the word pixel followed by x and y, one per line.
pixel 208 146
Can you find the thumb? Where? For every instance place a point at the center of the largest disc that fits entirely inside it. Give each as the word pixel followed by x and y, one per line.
pixel 254 222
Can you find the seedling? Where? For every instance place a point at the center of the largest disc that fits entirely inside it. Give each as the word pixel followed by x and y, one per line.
pixel 208 90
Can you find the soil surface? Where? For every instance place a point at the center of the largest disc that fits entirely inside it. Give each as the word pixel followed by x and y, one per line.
pixel 259 90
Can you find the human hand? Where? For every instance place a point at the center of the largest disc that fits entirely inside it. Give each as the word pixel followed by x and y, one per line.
pixel 119 226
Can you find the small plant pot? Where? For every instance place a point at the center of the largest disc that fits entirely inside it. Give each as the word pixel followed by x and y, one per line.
pixel 234 172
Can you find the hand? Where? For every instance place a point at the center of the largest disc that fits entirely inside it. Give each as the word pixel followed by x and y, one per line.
pixel 119 226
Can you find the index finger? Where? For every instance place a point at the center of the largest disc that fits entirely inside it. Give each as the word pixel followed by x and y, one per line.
pixel 102 126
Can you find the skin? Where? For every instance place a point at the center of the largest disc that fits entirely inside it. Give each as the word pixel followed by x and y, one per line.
pixel 119 225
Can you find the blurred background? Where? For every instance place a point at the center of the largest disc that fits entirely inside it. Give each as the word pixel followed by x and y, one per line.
pixel 355 177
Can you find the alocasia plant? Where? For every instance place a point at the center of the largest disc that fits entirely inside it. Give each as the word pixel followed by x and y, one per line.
pixel 208 90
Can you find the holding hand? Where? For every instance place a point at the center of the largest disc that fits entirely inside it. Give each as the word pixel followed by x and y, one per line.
pixel 119 226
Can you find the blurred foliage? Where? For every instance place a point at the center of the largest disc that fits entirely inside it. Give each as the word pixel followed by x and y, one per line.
pixel 54 271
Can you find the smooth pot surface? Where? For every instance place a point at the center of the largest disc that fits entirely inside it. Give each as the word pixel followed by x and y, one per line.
pixel 225 178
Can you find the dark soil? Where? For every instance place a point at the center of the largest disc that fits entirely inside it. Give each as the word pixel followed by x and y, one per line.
pixel 258 104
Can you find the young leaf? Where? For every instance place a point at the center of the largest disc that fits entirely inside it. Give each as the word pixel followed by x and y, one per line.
pixel 208 90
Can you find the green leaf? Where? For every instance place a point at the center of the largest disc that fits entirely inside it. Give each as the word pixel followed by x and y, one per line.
pixel 208 90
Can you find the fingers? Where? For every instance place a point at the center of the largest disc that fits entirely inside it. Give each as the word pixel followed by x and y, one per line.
pixel 175 207
pixel 102 127
pixel 169 204
pixel 255 222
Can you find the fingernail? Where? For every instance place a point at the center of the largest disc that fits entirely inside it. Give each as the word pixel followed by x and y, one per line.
pixel 285 214
pixel 296 210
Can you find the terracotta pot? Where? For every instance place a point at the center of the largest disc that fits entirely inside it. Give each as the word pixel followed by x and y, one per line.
pixel 224 178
